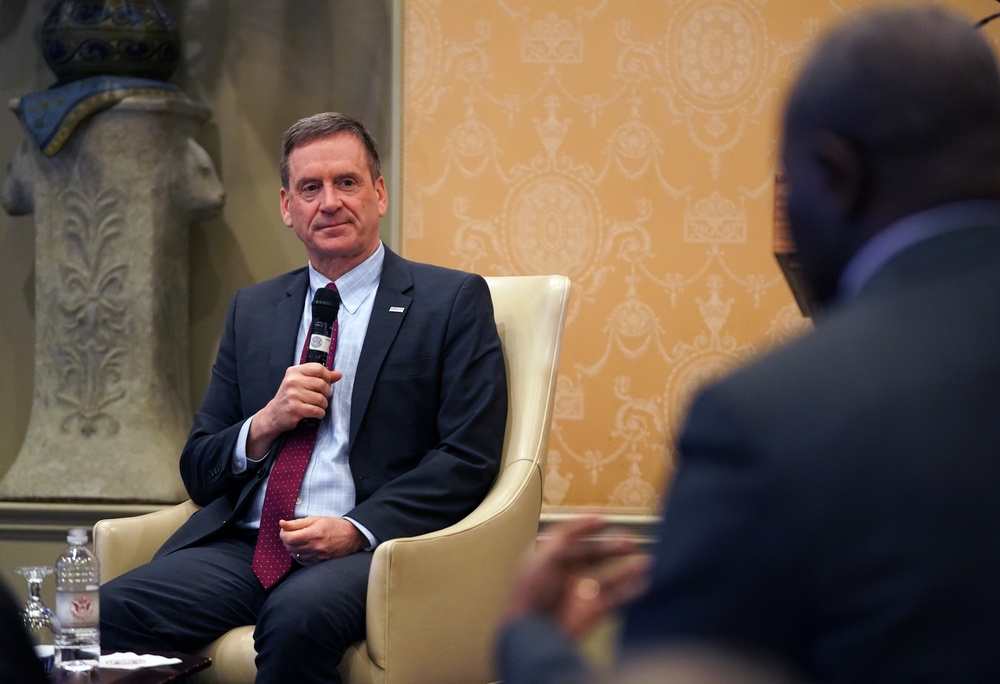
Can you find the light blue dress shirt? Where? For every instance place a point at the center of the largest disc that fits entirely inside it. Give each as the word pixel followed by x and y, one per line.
pixel 327 486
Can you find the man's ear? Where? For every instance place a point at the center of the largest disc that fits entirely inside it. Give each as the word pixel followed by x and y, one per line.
pixel 844 173
pixel 286 216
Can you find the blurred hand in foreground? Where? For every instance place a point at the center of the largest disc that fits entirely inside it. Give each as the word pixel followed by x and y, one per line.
pixel 580 573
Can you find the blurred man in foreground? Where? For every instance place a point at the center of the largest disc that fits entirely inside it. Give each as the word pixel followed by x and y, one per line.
pixel 835 508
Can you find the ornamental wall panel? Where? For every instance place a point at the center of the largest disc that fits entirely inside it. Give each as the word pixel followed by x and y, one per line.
pixel 630 145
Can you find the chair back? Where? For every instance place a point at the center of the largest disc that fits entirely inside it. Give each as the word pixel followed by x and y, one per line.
pixel 530 312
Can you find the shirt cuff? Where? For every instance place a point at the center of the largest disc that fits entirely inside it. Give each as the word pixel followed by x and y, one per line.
pixel 372 541
pixel 240 460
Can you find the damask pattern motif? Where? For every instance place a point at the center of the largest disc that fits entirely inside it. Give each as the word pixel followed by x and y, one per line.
pixel 631 146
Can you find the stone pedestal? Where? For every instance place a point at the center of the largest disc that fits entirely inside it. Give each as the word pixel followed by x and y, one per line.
pixel 111 406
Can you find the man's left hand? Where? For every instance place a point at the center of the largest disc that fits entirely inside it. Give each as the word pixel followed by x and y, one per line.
pixel 318 538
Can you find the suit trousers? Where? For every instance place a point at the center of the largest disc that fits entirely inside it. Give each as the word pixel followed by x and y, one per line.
pixel 184 600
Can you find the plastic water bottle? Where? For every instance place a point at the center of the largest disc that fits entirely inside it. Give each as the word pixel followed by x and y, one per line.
pixel 78 575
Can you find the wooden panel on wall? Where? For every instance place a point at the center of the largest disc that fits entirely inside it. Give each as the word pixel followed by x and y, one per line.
pixel 787 255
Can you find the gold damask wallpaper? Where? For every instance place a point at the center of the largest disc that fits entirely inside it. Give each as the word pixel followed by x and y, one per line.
pixel 631 145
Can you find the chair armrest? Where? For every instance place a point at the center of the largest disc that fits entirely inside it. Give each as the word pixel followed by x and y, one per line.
pixel 431 597
pixel 122 544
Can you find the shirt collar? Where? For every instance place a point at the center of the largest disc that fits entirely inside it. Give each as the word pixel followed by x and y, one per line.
pixel 354 286
pixel 907 232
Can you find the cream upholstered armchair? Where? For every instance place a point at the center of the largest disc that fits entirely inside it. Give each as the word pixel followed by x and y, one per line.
pixel 434 601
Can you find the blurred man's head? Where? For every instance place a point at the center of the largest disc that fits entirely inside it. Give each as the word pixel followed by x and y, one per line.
pixel 896 111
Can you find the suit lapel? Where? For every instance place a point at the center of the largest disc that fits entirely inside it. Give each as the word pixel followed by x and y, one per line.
pixel 383 326
pixel 287 314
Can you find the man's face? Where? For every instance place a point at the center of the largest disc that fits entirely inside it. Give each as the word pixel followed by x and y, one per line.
pixel 332 204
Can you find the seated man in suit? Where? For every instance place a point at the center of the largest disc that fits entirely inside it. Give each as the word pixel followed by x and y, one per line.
pixel 411 425
pixel 835 507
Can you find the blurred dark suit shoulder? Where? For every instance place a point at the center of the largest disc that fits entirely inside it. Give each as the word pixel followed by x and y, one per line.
pixel 835 503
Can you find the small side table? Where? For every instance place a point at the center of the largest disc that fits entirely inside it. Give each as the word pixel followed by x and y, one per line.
pixel 161 674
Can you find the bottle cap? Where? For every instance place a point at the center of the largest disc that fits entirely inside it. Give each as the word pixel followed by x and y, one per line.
pixel 77 535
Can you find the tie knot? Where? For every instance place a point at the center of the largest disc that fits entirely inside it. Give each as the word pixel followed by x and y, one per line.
pixel 328 294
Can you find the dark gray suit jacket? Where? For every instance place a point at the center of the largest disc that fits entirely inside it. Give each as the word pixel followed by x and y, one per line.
pixel 428 411
pixel 837 504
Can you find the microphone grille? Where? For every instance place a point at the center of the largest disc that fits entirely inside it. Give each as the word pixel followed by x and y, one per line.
pixel 325 304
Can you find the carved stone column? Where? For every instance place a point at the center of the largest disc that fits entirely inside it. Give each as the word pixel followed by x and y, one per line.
pixel 111 407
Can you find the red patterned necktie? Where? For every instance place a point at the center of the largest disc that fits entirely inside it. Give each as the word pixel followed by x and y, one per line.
pixel 271 560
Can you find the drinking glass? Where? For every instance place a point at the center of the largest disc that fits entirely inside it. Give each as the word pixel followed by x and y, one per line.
pixel 38 619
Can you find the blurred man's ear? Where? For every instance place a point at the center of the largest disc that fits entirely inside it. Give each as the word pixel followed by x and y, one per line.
pixel 844 174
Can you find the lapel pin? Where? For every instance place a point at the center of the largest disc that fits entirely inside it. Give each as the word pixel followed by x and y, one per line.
pixel 396 309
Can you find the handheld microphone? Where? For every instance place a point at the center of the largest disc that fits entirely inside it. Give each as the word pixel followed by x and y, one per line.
pixel 325 305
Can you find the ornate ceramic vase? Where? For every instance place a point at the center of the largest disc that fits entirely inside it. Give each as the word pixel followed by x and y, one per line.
pixel 82 38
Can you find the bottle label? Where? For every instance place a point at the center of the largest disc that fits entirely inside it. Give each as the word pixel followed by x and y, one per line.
pixel 78 609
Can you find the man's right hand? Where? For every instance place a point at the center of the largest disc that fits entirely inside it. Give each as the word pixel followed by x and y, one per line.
pixel 304 393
